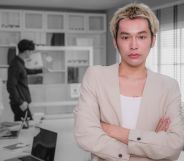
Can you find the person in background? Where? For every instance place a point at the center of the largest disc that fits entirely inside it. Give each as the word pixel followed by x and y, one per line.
pixel 17 83
pixel 126 112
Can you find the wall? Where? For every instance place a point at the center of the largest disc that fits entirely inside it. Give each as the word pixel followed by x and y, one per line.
pixel 111 52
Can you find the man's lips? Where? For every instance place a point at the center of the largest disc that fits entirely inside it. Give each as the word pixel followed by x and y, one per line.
pixel 134 55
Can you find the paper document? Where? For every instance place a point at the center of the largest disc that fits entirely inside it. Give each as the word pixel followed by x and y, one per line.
pixel 16 146
pixel 35 61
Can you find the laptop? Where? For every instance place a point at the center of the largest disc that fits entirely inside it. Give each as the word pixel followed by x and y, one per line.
pixel 43 147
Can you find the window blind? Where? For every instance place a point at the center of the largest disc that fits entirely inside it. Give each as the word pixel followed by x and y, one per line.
pixel 167 56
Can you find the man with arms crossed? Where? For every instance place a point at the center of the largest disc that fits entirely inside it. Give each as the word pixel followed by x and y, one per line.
pixel 126 111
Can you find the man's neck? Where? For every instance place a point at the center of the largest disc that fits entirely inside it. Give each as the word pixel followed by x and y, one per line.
pixel 132 72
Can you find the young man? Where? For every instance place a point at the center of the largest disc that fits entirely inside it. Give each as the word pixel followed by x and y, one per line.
pixel 17 83
pixel 127 112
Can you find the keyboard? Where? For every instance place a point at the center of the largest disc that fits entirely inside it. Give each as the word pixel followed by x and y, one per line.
pixel 28 158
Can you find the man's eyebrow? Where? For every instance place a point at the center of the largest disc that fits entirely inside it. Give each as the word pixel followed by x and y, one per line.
pixel 126 33
pixel 143 32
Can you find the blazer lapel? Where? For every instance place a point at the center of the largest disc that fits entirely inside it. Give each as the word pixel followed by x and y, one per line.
pixel 146 99
pixel 114 91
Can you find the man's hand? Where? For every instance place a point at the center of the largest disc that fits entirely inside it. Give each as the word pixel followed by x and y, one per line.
pixel 163 124
pixel 121 133
pixel 116 132
pixel 24 106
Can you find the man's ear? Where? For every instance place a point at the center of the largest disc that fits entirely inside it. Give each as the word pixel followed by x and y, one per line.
pixel 115 43
pixel 153 41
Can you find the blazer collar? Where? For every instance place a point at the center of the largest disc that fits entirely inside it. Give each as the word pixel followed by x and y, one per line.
pixel 146 99
pixel 116 95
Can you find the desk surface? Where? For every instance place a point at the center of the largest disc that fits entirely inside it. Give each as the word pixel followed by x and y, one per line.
pixel 26 136
pixel 68 148
pixel 66 144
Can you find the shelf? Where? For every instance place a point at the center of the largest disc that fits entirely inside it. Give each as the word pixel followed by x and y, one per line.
pixel 37 37
pixel 55 39
pixel 51 70
pixel 9 38
pixel 54 22
pixel 67 41
pixel 7 45
pixel 55 104
pixel 76 22
pixel 97 23
pixel 65 64
pixel 33 20
pixel 7 54
pixel 10 20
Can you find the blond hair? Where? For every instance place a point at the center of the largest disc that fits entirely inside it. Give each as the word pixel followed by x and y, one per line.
pixel 132 11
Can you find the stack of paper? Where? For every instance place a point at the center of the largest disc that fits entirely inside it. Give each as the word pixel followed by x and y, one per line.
pixel 9 129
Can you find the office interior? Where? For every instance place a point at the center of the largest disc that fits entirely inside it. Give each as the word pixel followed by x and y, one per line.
pixel 70 37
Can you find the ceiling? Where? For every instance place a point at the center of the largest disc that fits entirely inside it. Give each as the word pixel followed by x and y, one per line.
pixel 67 4
pixel 78 4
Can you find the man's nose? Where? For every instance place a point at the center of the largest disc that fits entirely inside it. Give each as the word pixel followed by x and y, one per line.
pixel 133 44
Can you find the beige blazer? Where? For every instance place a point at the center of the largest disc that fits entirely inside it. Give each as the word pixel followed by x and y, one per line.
pixel 100 101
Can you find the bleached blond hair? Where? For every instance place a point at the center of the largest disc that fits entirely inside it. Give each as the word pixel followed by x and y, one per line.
pixel 132 11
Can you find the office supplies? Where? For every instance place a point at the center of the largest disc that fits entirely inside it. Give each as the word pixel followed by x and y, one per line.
pixel 43 147
pixel 16 146
pixel 12 130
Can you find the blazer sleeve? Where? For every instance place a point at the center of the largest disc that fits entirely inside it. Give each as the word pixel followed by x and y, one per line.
pixel 88 132
pixel 162 145
pixel 34 71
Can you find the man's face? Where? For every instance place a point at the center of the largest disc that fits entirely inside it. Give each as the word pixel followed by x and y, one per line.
pixel 134 41
pixel 27 54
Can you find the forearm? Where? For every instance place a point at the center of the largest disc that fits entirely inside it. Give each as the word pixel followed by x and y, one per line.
pixel 162 145
pixel 158 144
pixel 119 133
pixel 123 135
pixel 34 71
pixel 92 138
pixel 88 132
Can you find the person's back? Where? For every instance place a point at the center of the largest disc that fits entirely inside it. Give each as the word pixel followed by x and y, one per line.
pixel 20 79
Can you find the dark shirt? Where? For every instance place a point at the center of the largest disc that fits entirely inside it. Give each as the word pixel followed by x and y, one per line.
pixel 17 83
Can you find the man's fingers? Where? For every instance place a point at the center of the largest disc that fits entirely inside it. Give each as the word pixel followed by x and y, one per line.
pixel 159 124
pixel 167 124
pixel 163 125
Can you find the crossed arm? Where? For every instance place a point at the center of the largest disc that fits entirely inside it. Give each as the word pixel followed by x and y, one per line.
pixel 164 142
pixel 121 133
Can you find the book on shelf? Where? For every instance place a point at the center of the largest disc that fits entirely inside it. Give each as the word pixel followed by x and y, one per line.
pixel 73 75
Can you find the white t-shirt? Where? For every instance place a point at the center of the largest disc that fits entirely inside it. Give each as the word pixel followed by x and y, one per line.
pixel 130 107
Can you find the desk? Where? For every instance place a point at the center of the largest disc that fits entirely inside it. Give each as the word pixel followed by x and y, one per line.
pixel 26 136
pixel 68 149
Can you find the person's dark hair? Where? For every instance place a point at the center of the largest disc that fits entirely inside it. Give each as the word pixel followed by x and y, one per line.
pixel 24 45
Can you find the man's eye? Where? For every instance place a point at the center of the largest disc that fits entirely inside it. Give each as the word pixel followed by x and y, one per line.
pixel 142 37
pixel 124 37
